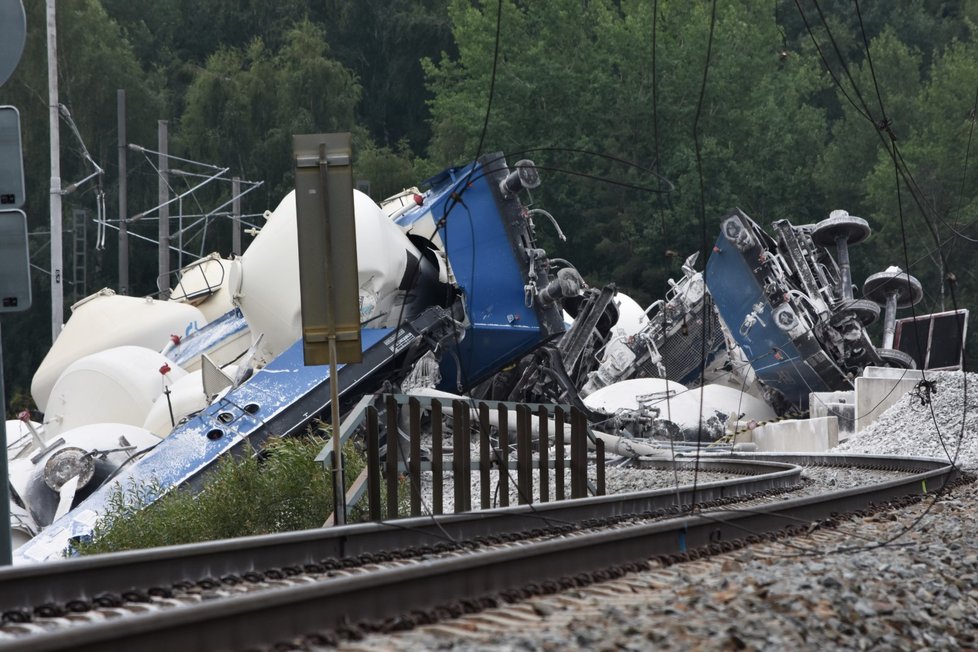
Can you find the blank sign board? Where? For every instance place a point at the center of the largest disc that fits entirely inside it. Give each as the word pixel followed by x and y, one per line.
pixel 328 270
pixel 934 341
pixel 15 268
pixel 11 159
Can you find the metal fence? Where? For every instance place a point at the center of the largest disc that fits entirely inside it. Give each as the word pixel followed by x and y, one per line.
pixel 392 426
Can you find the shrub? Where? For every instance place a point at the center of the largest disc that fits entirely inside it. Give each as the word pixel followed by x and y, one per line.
pixel 280 490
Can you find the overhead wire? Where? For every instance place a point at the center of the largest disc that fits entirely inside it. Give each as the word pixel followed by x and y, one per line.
pixel 454 199
pixel 881 127
pixel 903 231
pixel 703 240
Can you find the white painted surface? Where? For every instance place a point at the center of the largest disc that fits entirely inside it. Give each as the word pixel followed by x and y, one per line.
pixel 118 385
pixel 798 435
pixel 266 279
pixel 106 320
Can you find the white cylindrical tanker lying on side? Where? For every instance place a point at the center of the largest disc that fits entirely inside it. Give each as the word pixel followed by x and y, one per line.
pixel 264 281
pixel 118 385
pixel 106 320
pixel 78 462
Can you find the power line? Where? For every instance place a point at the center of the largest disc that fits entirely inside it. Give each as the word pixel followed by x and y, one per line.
pixel 703 242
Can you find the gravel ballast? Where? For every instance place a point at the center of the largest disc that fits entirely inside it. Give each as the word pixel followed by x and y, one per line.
pixel 845 588
pixel 898 580
pixel 927 423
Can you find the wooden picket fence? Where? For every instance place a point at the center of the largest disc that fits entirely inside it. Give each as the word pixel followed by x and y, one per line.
pixel 379 415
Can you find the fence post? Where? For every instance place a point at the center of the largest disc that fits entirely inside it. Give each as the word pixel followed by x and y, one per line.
pixel 543 445
pixel 485 458
pixel 524 456
pixel 503 455
pixel 578 466
pixel 414 464
pixel 467 457
pixel 599 474
pixel 559 454
pixel 373 464
pixel 392 446
pixel 460 476
pixel 437 485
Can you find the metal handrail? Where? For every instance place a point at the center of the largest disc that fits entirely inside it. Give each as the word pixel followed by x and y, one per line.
pixel 208 289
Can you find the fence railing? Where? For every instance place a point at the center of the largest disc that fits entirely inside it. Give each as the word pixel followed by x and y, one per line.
pixel 506 435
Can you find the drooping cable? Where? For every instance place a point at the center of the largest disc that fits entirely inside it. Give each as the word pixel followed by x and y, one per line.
pixel 703 240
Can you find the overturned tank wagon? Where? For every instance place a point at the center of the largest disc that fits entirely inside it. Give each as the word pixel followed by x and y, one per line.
pixel 457 271
pixel 789 305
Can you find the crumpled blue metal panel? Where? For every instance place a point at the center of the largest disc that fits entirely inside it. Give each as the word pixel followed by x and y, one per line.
pixel 485 238
pixel 746 311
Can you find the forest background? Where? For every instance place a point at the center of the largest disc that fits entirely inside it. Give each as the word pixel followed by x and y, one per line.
pixel 650 118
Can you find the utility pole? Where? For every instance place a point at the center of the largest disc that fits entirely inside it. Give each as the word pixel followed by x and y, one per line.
pixel 164 189
pixel 120 97
pixel 236 216
pixel 57 264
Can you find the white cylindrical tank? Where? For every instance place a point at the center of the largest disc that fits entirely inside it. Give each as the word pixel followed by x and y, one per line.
pixel 624 395
pixel 265 280
pixel 106 320
pixel 93 453
pixel 118 385
pixel 187 397
pixel 676 403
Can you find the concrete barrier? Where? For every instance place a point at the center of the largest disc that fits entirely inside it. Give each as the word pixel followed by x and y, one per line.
pixel 798 435
pixel 879 388
pixel 841 405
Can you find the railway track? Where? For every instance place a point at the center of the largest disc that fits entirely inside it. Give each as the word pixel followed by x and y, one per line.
pixel 549 547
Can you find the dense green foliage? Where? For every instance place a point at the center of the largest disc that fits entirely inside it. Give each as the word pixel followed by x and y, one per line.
pixel 283 490
pixel 577 81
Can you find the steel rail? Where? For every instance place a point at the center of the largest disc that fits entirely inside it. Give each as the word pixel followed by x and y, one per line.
pixel 87 577
pixel 282 614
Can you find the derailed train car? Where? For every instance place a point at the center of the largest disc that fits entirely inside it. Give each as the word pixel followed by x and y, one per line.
pixel 456 294
pixel 789 306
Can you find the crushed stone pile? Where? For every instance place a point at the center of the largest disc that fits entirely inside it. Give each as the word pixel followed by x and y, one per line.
pixel 927 423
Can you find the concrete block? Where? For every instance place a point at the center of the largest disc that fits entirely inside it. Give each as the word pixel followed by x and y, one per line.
pixel 798 435
pixel 838 404
pixel 874 395
pixel 892 373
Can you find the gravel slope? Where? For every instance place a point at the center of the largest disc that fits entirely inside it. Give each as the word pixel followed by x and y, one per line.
pixel 934 429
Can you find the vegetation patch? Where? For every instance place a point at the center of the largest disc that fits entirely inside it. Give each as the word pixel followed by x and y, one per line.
pixel 282 489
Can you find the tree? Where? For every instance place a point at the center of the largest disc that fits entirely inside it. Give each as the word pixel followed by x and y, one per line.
pixel 578 77
pixel 244 105
pixel 383 42
pixel 94 60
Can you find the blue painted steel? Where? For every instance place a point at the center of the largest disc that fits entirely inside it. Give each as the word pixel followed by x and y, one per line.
pixel 776 360
pixel 481 241
pixel 212 334
pixel 226 426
